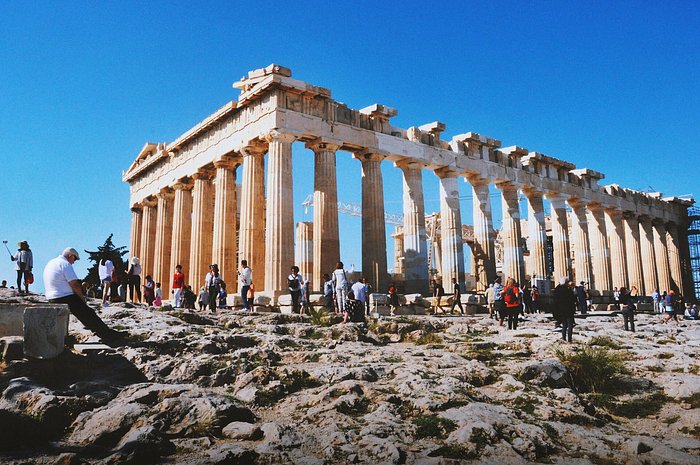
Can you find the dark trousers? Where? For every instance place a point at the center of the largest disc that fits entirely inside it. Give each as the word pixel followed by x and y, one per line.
pixel 244 296
pixel 513 313
pixel 134 286
pixel 84 314
pixel 19 280
pixel 295 300
pixel 457 302
pixel 628 318
pixel 567 328
pixel 213 298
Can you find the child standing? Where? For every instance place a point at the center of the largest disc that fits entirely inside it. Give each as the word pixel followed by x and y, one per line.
pixel 159 296
pixel 203 299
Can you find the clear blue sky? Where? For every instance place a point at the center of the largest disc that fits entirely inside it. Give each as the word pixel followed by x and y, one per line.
pixel 83 85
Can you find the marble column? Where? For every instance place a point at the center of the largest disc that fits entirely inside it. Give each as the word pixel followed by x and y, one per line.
pixel 581 246
pixel 373 226
pixel 415 240
pixel 202 229
pixel 616 240
pixel 560 237
pixel 600 253
pixel 646 239
pixel 304 249
pixel 513 260
pixel 135 239
pixel 663 271
pixel 633 251
pixel 483 251
pixel 452 260
pixel 164 236
pixel 674 257
pixel 251 245
pixel 182 228
pixel 537 234
pixel 326 244
pixel 224 245
pixel 279 214
pixel 148 236
pixel 398 250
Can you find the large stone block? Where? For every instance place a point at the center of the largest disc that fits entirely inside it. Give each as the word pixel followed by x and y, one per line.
pixel 45 329
pixel 12 320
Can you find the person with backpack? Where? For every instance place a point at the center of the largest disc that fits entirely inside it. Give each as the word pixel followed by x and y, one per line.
pixel 512 298
pixel 294 282
pixel 628 308
pixel 498 303
pixel 213 282
pixel 564 307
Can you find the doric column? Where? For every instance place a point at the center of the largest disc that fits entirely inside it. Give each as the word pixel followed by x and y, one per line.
pixel 674 257
pixel 326 244
pixel 581 246
pixel 148 235
pixel 279 214
pixel 663 271
pixel 398 250
pixel 224 245
pixel 600 253
pixel 251 245
pixel 646 240
pixel 633 251
pixel 483 251
pixel 415 243
pixel 202 229
pixel 452 260
pixel 182 228
pixel 616 240
pixel 560 237
pixel 373 227
pixel 304 248
pixel 164 236
pixel 537 234
pixel 513 262
pixel 135 239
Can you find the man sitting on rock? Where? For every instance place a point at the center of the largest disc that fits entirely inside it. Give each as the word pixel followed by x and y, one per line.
pixel 63 286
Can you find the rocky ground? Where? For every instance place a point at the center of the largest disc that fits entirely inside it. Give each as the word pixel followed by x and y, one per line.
pixel 230 388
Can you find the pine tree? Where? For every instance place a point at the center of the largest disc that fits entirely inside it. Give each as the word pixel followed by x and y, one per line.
pixel 110 252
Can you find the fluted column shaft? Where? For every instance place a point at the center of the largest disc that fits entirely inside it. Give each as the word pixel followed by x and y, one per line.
pixel 279 217
pixel 483 251
pixel 537 234
pixel 600 253
pixel 373 227
pixel 581 246
pixel 646 240
pixel 135 239
pixel 560 237
pixel 674 257
pixel 202 229
pixel 414 236
pixel 616 239
pixel 164 236
pixel 224 245
pixel 326 244
pixel 452 260
pixel 304 249
pixel 513 260
pixel 663 271
pixel 148 236
pixel 633 251
pixel 182 229
pixel 251 245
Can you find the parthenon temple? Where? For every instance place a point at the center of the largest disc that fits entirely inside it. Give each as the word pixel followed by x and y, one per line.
pixel 189 207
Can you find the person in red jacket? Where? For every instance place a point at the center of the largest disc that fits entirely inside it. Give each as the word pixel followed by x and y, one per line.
pixel 513 299
pixel 178 286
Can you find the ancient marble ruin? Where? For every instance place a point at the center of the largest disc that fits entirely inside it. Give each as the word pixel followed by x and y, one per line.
pixel 185 205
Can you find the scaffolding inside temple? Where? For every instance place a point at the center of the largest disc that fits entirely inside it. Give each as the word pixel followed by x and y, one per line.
pixel 694 246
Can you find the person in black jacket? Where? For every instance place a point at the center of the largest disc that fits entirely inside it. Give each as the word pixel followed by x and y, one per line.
pixel 457 297
pixel 628 308
pixel 564 307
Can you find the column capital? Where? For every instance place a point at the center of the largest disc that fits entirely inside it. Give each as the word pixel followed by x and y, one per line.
pixel 613 211
pixel 227 162
pixel 279 136
pixel 165 193
pixel 445 172
pixel 253 148
pixel 508 186
pixel 577 202
pixel 476 180
pixel 149 202
pixel 532 191
pixel 136 208
pixel 204 175
pixel 366 156
pixel 554 196
pixel 629 215
pixel 324 144
pixel 408 164
pixel 183 184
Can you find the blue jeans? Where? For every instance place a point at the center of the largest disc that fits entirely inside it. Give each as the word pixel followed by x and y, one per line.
pixel 244 296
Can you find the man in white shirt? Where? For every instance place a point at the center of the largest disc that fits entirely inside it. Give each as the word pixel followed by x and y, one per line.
pixel 63 286
pixel 105 268
pixel 245 278
pixel 359 289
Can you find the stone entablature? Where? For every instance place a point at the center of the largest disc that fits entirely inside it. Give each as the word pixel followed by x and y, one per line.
pixel 275 107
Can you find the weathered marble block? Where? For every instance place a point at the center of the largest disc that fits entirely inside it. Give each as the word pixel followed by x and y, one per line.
pixel 12 320
pixel 45 329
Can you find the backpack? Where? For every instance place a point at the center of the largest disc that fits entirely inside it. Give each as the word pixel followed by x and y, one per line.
pixel 511 296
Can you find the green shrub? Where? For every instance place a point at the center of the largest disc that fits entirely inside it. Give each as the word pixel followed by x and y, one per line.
pixel 593 369
pixel 605 341
pixel 428 338
pixel 428 426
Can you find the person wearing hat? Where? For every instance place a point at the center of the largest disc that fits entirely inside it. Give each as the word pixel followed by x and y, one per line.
pixel 63 286
pixel 25 263
pixel 135 279
pixel 213 283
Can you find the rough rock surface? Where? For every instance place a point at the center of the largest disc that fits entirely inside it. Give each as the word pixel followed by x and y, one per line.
pixel 189 388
